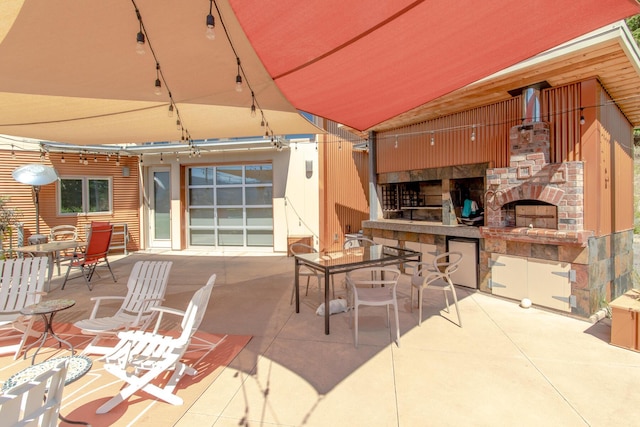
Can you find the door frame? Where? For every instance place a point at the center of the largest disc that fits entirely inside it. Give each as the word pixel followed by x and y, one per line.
pixel 152 242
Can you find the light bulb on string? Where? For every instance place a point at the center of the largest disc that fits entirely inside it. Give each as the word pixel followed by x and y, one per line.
pixel 211 23
pixel 178 124
pixel 95 159
pixel 140 36
pixel 170 112
pixel 13 152
pixel 396 144
pixel 253 105
pixel 433 139
pixel 140 50
pixel 582 121
pixel 158 85
pixel 118 160
pixel 161 158
pixel 62 160
pixel 85 161
pixel 238 77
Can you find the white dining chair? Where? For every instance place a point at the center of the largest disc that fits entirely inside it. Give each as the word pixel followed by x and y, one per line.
pixel 437 274
pixel 301 248
pixel 373 286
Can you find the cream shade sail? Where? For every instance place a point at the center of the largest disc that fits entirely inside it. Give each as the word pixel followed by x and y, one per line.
pixel 70 73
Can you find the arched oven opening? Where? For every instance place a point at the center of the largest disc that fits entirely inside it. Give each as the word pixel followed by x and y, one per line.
pixel 532 214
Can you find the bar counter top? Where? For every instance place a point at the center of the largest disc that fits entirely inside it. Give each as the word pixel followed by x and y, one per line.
pixel 425 227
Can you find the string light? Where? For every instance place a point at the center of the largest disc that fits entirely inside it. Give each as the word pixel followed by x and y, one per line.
pixel 160 79
pixel 161 158
pixel 13 152
pixel 238 77
pixel 433 139
pixel 158 85
pixel 473 133
pixel 211 23
pixel 581 116
pixel 140 36
pixel 62 160
pixel 118 160
pixel 241 75
pixel 253 105
pixel 396 144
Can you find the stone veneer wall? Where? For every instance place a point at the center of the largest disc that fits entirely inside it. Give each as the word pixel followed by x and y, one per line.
pixel 599 275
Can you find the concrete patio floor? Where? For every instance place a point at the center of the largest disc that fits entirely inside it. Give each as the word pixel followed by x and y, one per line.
pixel 505 366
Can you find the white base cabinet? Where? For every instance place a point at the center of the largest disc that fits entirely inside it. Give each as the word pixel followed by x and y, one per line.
pixel 545 283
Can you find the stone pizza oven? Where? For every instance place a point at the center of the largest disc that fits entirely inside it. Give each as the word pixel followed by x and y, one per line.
pixel 534 200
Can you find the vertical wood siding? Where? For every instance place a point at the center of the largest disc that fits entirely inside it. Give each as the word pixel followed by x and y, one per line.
pixel 345 202
pixel 620 134
pixel 125 192
pixel 410 147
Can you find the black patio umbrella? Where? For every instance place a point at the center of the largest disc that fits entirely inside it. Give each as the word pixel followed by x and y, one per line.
pixel 36 175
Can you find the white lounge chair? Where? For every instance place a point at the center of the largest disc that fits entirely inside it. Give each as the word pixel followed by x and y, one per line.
pixel 145 289
pixel 21 284
pixel 37 402
pixel 142 356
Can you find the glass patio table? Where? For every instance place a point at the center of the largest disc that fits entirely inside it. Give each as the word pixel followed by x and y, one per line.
pixel 329 263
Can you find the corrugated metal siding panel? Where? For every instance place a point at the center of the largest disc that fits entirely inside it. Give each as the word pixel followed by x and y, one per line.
pixel 561 108
pixel 410 148
pixel 346 194
pixel 452 139
pixel 125 192
pixel 622 166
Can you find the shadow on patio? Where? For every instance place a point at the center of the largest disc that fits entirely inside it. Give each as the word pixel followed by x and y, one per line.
pixel 507 365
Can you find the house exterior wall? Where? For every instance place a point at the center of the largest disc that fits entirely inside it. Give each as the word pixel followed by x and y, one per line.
pixel 295 192
pixel 125 198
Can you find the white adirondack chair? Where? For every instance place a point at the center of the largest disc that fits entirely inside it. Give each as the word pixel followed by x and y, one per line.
pixel 37 402
pixel 145 290
pixel 142 356
pixel 21 284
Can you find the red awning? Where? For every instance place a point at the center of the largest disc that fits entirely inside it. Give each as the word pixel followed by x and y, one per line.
pixel 360 62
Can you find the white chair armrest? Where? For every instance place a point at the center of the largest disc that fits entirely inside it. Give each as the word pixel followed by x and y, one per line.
pixel 161 311
pixel 420 268
pixel 98 300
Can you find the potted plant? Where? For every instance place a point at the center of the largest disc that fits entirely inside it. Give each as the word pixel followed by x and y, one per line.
pixel 8 219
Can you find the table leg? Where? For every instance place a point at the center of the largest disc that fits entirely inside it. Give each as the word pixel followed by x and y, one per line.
pixel 50 271
pixel 327 311
pixel 48 329
pixel 60 340
pixel 297 286
pixel 40 340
